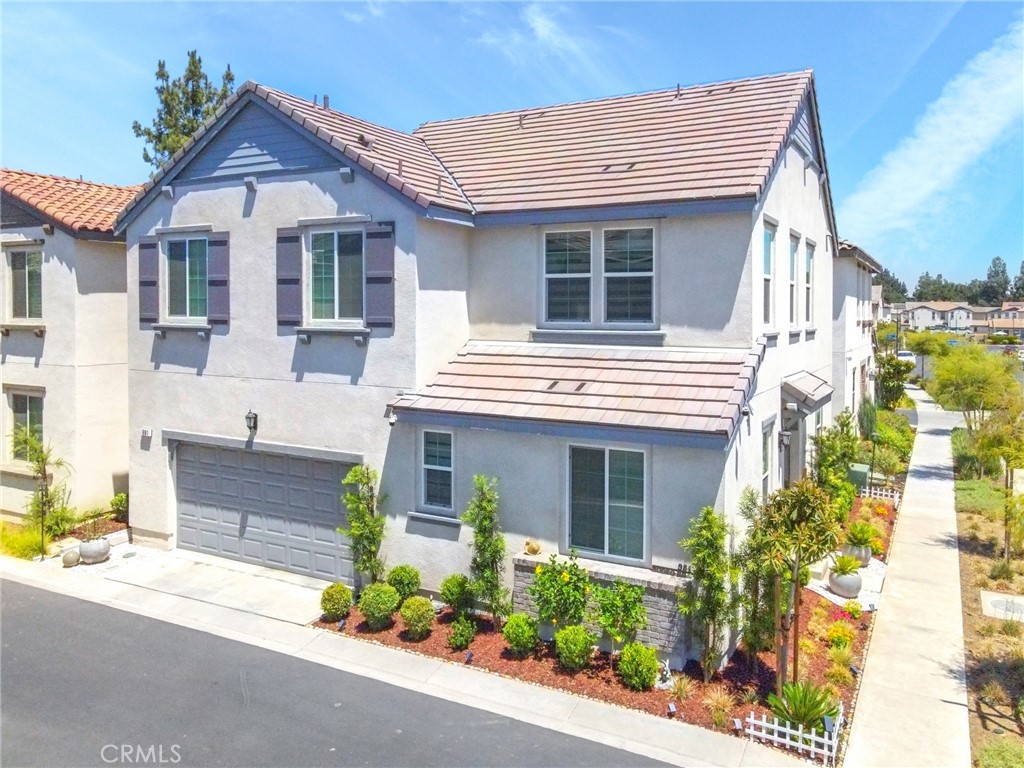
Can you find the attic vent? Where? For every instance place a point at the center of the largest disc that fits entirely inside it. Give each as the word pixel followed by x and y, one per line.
pixel 327 101
pixel 521 118
pixel 366 141
pixel 618 167
pixel 552 385
pixel 580 386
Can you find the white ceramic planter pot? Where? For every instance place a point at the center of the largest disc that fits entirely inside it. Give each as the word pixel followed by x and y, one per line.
pixel 845 586
pixel 95 551
pixel 861 554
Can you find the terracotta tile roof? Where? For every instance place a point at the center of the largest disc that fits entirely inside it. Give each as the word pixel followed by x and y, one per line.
pixel 808 390
pixel 80 206
pixel 937 306
pixel 846 248
pixel 696 143
pixel 664 389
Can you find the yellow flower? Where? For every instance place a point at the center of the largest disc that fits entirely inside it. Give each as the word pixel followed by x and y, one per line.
pixel 554 621
pixel 538 569
pixel 565 576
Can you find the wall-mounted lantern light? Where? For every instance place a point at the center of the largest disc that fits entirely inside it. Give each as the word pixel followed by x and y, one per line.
pixel 252 421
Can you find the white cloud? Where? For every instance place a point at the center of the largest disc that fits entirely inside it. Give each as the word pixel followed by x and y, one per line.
pixel 898 199
pixel 371 8
pixel 541 43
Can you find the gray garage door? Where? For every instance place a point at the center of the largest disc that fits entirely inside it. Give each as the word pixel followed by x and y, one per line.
pixel 278 511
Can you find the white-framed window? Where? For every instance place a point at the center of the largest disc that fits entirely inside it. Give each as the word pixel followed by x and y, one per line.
pixel 186 277
pixel 629 275
pixel 600 277
pixel 27 413
pixel 26 271
pixel 438 470
pixel 567 272
pixel 809 283
pixel 607 501
pixel 767 456
pixel 794 249
pixel 336 286
pixel 769 270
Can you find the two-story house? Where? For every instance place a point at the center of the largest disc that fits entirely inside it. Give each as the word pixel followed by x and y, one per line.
pixel 939 315
pixel 853 342
pixel 63 340
pixel 621 308
pixel 1007 319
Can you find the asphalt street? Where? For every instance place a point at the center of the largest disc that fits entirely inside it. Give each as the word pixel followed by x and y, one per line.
pixel 88 685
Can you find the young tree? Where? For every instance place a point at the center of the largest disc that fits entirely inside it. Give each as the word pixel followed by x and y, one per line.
pixel 365 528
pixel 488 562
pixel 711 600
pixel 185 103
pixel 752 560
pixel 972 381
pixel 891 378
pixel 799 529
pixel 48 496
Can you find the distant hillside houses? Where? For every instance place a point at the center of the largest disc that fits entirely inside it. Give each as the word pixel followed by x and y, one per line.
pixel 960 317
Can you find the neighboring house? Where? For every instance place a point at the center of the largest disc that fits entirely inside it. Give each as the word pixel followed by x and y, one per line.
pixel 853 343
pixel 939 316
pixel 1007 319
pixel 980 321
pixel 620 308
pixel 63 346
pixel 880 311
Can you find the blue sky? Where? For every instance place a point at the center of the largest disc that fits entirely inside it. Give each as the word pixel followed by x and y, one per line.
pixel 922 104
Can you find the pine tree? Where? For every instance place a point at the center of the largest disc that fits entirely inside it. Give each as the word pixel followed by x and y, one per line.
pixel 997 283
pixel 1017 292
pixel 185 104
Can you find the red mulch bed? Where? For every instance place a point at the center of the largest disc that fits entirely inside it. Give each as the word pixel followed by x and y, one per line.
pixel 97 528
pixel 599 681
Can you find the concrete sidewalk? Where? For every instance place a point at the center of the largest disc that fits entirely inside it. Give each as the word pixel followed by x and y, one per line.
pixel 270 609
pixel 912 705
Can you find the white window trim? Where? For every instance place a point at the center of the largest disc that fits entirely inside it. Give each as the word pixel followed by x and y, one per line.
pixel 181 235
pixel 794 279
pixel 307 278
pixel 9 391
pixel 10 247
pixel 768 313
pixel 598 304
pixel 589 322
pixel 810 252
pixel 567 516
pixel 423 467
pixel 768 428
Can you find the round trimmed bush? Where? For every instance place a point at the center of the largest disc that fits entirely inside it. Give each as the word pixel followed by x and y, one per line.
pixel 462 632
pixel 574 646
pixel 520 632
pixel 405 579
pixel 638 666
pixel 839 633
pixel 378 604
pixel 417 614
pixel 335 602
pixel 457 593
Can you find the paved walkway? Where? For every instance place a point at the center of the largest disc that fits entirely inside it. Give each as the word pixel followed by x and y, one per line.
pixel 912 706
pixel 270 609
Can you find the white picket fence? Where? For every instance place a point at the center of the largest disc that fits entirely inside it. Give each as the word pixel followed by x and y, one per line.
pixel 890 495
pixel 807 742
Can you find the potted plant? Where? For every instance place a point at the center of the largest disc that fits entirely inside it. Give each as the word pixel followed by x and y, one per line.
pixel 95 548
pixel 857 541
pixel 844 578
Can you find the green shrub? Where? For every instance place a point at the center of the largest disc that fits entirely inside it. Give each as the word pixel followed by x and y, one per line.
pixel 22 542
pixel 559 590
pixel 457 593
pixel 520 632
pixel 843 495
pixel 405 579
pixel 860 534
pixel 894 431
pixel 119 507
pixel 839 675
pixel 968 463
pixel 839 634
pixel 1000 570
pixel 803 704
pixel 378 604
pixel 853 608
pixel 619 610
pixel 335 602
pixel 60 518
pixel 638 666
pixel 574 646
pixel 867 417
pixel 461 634
pixel 1001 753
pixel 418 616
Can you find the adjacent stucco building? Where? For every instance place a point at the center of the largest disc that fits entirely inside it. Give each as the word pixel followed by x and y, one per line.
pixel 63 339
pixel 853 341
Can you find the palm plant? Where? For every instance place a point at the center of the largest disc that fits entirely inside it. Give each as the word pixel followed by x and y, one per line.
pixel 803 704
pixel 49 496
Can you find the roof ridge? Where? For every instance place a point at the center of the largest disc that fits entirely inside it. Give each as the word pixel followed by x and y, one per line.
pixel 55 177
pixel 599 99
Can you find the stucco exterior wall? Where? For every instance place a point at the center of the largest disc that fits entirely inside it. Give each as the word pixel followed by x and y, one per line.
pixel 331 393
pixel 442 306
pixel 79 366
pixel 854 348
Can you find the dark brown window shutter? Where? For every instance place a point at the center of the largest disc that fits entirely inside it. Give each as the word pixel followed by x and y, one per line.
pixel 380 275
pixel 218 272
pixel 289 276
pixel 149 280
